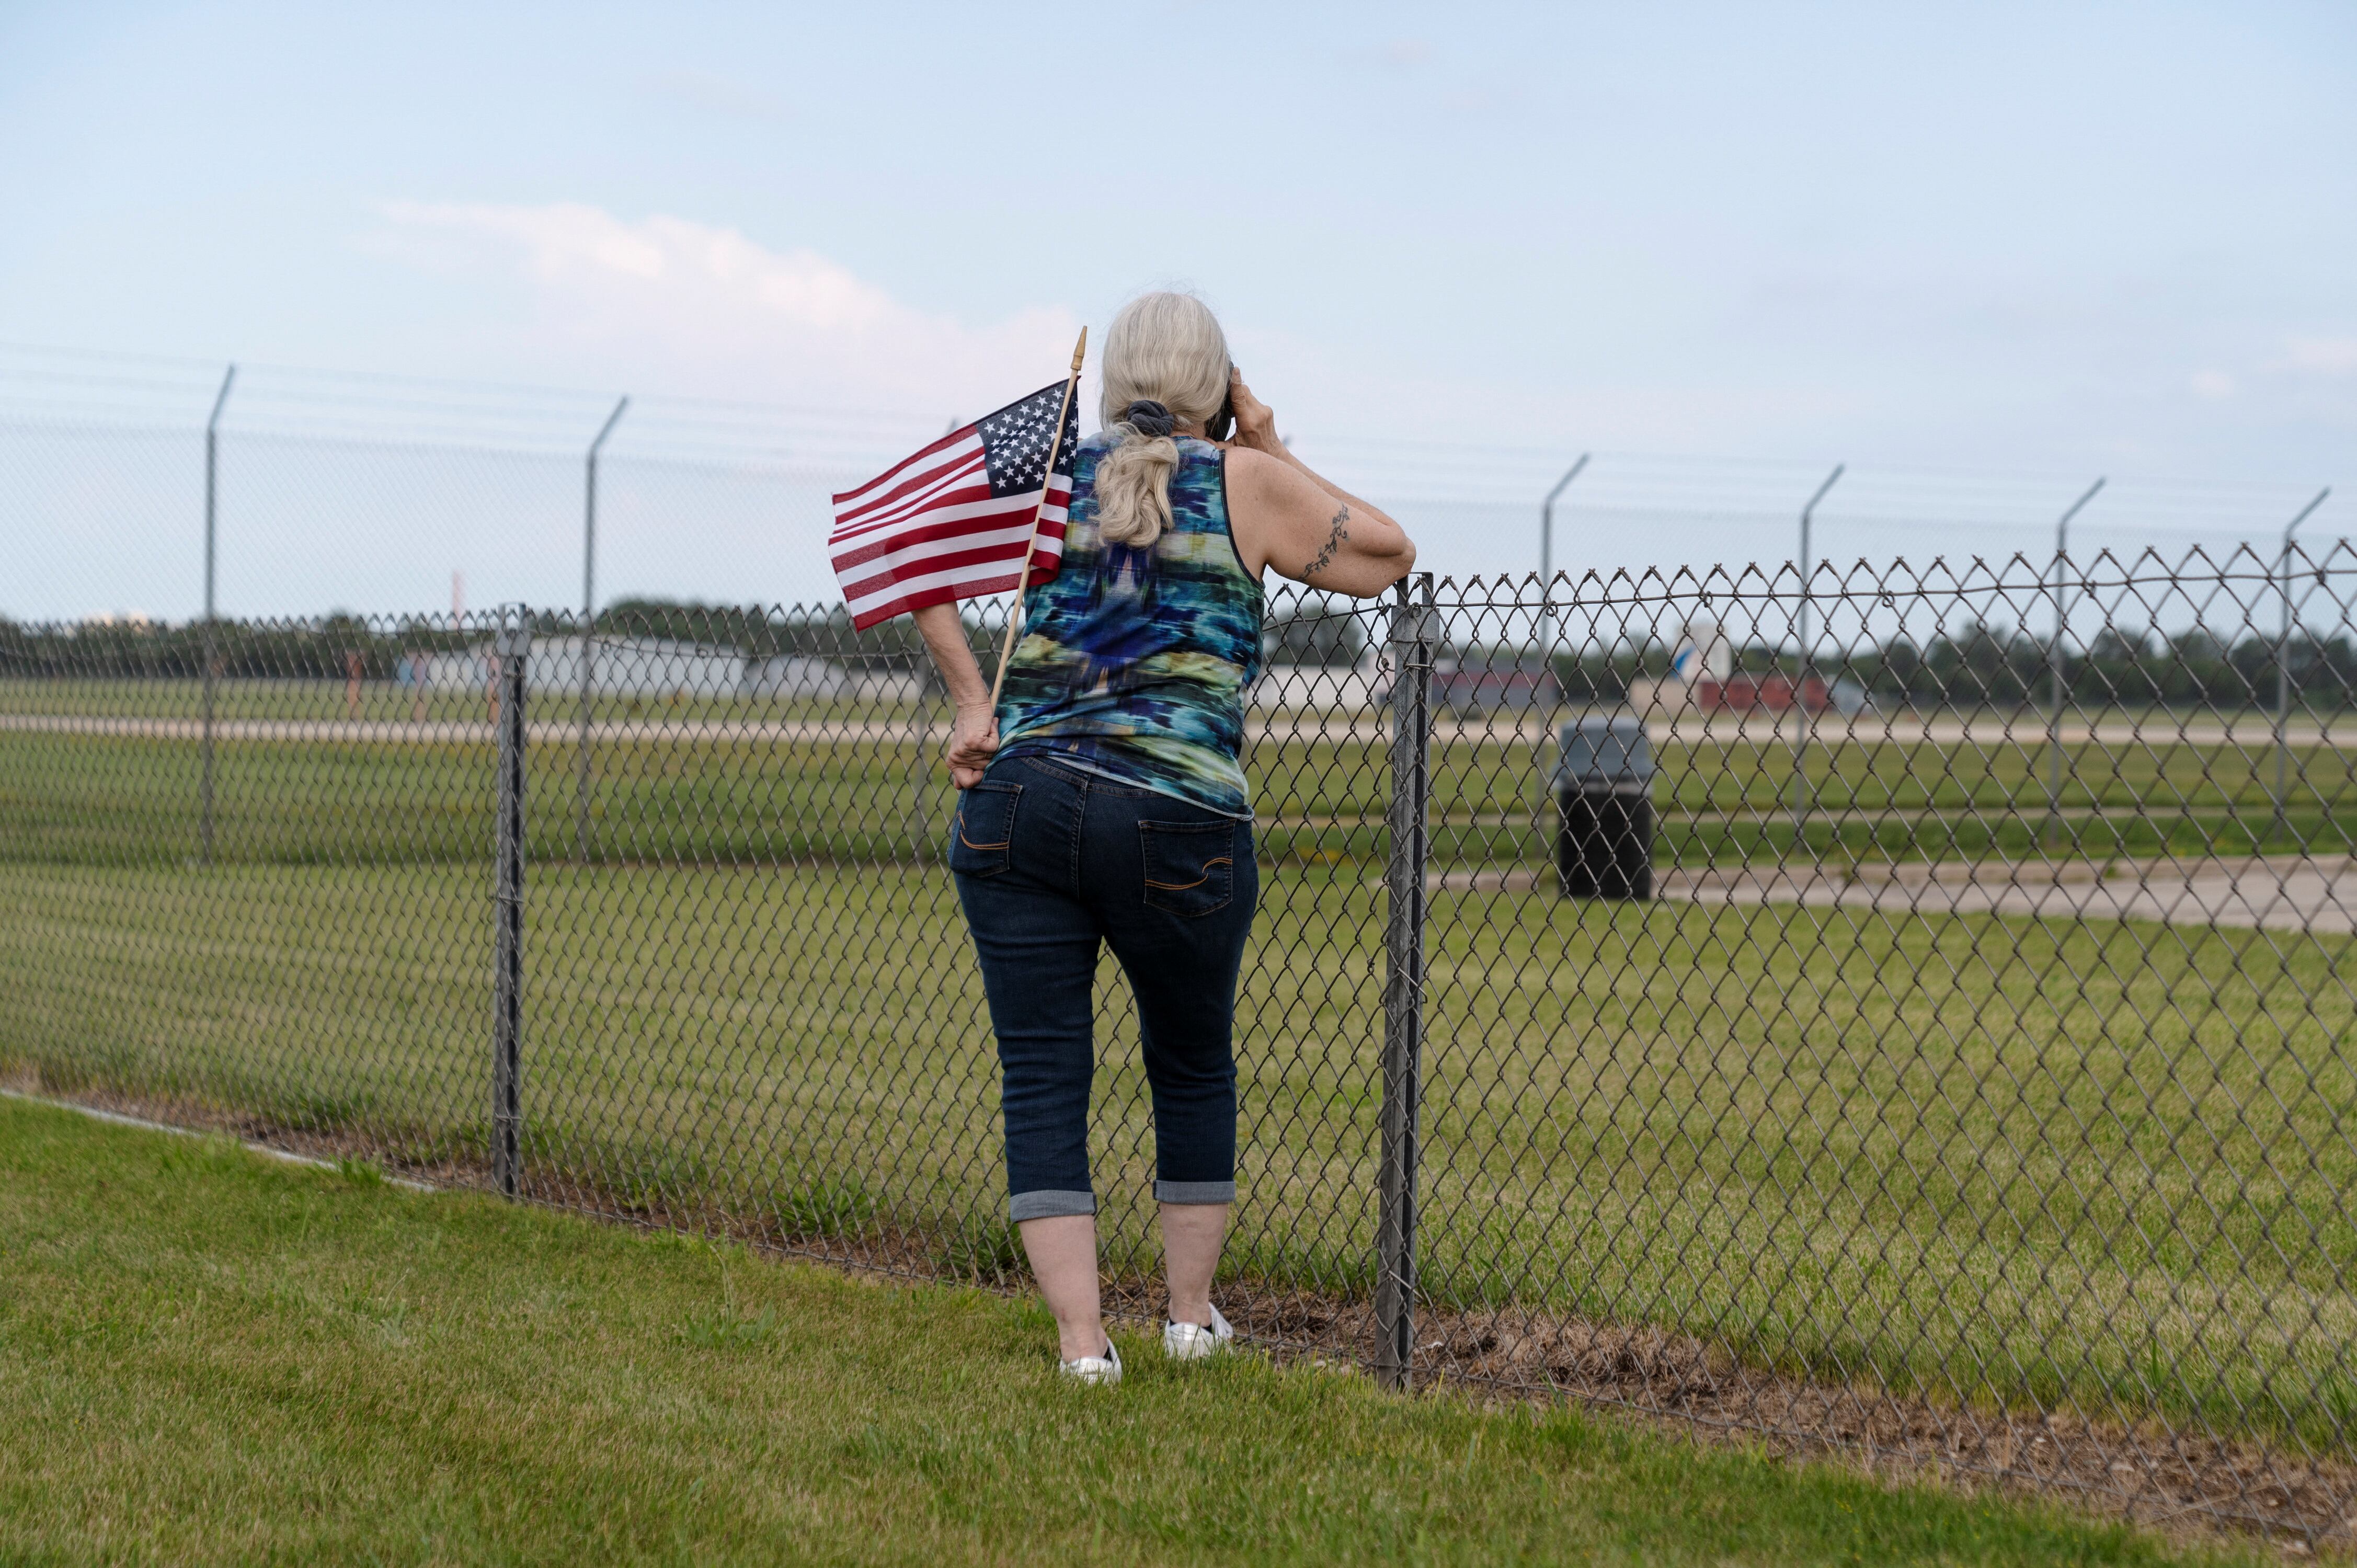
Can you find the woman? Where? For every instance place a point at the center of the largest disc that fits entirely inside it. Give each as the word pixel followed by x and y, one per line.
pixel 1102 800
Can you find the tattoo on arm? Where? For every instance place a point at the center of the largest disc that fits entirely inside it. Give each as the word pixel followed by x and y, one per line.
pixel 1334 542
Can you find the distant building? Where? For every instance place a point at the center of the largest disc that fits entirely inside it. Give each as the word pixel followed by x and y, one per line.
pixel 1350 688
pixel 652 667
pixel 1501 684
pixel 468 671
pixel 1755 694
pixel 798 677
pixel 639 667
pixel 793 675
pixel 1702 675
pixel 623 667
pixel 1761 693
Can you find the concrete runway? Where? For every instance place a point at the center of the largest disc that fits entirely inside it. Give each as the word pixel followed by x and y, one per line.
pixel 2278 892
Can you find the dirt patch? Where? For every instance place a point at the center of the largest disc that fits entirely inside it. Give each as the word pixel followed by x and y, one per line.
pixel 2145 1473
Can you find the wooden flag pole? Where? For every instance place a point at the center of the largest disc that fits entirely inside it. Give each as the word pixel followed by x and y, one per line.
pixel 1023 571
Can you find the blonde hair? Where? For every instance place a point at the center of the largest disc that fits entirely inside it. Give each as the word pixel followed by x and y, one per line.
pixel 1167 348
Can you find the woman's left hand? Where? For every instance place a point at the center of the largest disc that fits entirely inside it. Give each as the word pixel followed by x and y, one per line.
pixel 973 739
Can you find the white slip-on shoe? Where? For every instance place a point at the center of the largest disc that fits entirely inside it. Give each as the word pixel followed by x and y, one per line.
pixel 1193 1342
pixel 1097 1371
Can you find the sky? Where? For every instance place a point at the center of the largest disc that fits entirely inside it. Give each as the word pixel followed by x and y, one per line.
pixel 1453 246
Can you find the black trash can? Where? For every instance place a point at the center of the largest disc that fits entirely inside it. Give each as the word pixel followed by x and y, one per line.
pixel 1604 807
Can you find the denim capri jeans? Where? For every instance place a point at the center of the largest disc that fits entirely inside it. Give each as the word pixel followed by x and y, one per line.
pixel 1052 861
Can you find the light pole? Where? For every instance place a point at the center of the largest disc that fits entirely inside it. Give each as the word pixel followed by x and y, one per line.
pixel 1547 561
pixel 2283 661
pixel 205 646
pixel 1801 670
pixel 590 622
pixel 2054 668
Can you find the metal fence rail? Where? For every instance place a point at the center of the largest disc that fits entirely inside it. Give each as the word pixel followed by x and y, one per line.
pixel 1974 1084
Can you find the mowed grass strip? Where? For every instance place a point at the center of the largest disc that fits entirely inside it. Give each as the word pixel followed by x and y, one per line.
pixel 874 795
pixel 205 1357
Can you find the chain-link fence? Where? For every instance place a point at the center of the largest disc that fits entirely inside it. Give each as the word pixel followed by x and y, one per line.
pixel 1900 1009
pixel 1910 1013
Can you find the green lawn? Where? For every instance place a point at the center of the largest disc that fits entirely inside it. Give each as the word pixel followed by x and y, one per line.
pixel 1985 1159
pixel 1989 1159
pixel 208 1357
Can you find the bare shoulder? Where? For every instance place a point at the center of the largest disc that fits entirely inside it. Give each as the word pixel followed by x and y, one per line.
pixel 1264 500
pixel 1284 516
pixel 1259 480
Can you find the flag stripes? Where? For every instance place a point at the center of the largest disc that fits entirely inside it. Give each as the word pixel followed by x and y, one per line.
pixel 949 522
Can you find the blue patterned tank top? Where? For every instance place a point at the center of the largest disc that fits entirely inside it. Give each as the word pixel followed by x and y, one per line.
pixel 1133 663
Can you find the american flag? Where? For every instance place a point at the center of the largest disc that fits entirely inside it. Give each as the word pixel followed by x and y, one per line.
pixel 950 523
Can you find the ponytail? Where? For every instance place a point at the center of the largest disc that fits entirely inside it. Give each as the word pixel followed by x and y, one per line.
pixel 1133 480
pixel 1164 360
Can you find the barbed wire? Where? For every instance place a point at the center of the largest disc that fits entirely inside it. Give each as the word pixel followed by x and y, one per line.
pixel 686 471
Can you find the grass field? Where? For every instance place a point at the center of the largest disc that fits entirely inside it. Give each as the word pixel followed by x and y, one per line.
pixel 1987 1158
pixel 1984 1158
pixel 210 1358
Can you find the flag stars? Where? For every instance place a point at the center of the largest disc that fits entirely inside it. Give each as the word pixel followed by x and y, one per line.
pixel 1016 440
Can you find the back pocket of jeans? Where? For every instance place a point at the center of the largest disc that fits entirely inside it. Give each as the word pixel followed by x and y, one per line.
pixel 981 836
pixel 1190 867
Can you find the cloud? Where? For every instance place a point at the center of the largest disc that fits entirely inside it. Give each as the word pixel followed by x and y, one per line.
pixel 720 94
pixel 711 310
pixel 2322 356
pixel 1400 54
pixel 2214 384
pixel 1412 61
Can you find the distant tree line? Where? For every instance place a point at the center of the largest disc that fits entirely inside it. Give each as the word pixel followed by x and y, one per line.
pixel 242 650
pixel 764 633
pixel 323 648
pixel 1980 666
pixel 1977 666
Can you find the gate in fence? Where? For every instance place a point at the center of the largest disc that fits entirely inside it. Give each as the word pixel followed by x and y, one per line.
pixel 1965 1076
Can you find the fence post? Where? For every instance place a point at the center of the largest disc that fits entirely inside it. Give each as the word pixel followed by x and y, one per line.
pixel 2052 833
pixel 1547 561
pixel 921 732
pixel 2283 669
pixel 206 649
pixel 1801 791
pixel 1410 648
pixel 513 648
pixel 581 838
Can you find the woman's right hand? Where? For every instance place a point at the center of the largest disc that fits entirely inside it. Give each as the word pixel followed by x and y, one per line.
pixel 1256 420
pixel 973 739
pixel 1283 515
